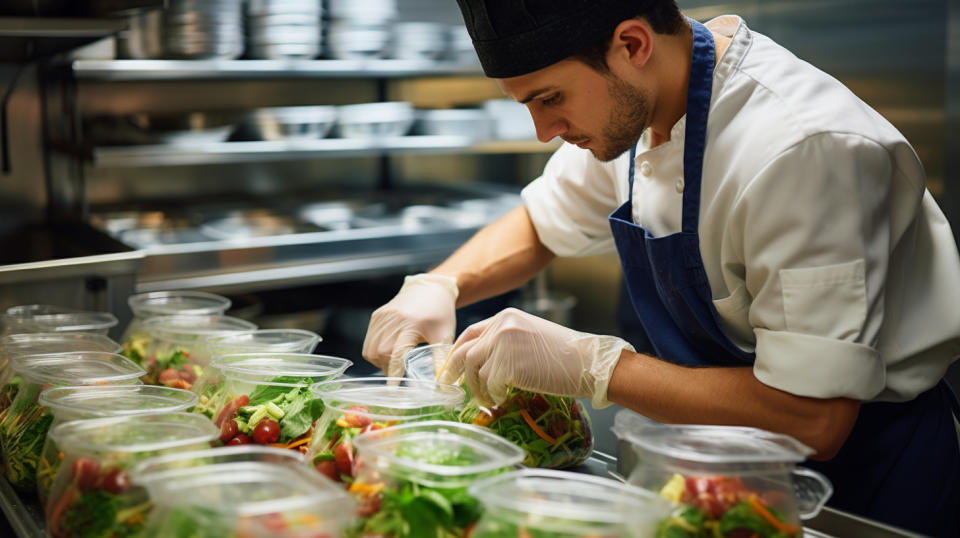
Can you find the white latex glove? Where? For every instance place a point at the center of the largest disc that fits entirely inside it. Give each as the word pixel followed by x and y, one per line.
pixel 514 348
pixel 423 311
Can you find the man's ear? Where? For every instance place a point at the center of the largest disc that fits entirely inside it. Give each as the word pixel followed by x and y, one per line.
pixel 632 42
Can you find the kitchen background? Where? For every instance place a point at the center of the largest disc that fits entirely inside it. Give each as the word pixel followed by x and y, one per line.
pixel 129 176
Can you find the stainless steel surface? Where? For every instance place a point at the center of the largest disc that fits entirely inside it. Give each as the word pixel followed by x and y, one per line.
pixel 178 130
pixel 143 37
pixel 25 39
pixel 288 123
pixel 129 70
pixel 475 123
pixel 280 150
pixel 222 248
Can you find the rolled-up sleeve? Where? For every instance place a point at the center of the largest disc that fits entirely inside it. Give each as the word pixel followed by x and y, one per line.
pixel 815 235
pixel 570 202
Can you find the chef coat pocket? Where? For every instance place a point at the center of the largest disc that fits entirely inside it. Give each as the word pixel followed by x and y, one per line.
pixel 734 311
pixel 828 301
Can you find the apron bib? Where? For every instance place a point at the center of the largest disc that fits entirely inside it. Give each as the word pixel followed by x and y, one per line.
pixel 901 460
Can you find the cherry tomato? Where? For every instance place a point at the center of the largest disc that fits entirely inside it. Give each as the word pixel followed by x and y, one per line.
pixel 267 431
pixel 228 430
pixel 371 427
pixel 357 420
pixel 231 408
pixel 168 377
pixel 343 455
pixel 115 481
pixel 369 506
pixel 328 468
pixel 86 472
pixel 239 439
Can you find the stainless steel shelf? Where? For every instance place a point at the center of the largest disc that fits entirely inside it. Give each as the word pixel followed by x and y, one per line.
pixel 130 70
pixel 239 152
pixel 28 38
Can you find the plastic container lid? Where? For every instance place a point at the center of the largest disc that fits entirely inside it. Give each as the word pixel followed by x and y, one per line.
pixel 438 453
pixel 77 367
pixel 271 340
pixel 192 303
pixel 133 434
pixel 183 329
pixel 15 317
pixel 381 395
pixel 167 466
pixel 249 489
pixel 262 367
pixel 718 444
pixel 17 345
pixel 66 322
pixel 422 362
pixel 570 499
pixel 71 403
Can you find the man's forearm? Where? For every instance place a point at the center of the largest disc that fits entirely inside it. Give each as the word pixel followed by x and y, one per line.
pixel 728 396
pixel 500 257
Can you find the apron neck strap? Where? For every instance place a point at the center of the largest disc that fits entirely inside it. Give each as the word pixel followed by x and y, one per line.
pixel 698 109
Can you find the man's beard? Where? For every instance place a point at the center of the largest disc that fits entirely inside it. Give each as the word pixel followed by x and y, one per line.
pixel 628 118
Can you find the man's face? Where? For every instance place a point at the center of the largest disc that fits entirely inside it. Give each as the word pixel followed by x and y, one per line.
pixel 595 111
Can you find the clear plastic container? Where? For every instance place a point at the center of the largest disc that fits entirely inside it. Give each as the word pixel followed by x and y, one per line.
pixel 557 504
pixel 38 318
pixel 426 461
pixel 23 429
pixel 249 499
pixel 98 401
pixel 359 405
pixel 177 351
pixel 727 481
pixel 179 464
pixel 92 493
pixel 136 340
pixel 264 340
pixel 554 431
pixel 19 345
pixel 265 398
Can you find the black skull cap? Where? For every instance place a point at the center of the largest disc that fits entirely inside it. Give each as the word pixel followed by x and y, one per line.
pixel 516 37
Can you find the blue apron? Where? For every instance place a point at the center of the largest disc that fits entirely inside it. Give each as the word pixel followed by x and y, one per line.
pixel 901 462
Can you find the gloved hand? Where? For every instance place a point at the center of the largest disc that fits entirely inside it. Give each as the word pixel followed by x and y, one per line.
pixel 514 348
pixel 423 311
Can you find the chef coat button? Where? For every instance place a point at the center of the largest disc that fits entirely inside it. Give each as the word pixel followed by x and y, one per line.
pixel 680 185
pixel 646 169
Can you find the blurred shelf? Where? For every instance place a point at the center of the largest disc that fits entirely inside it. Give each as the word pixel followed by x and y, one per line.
pixel 133 70
pixel 240 152
pixel 28 38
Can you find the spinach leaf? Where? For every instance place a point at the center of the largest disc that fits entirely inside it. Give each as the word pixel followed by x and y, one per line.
pixel 269 393
pixel 91 516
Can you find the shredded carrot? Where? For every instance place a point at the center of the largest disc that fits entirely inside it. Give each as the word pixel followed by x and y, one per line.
pixel 483 419
pixel 436 375
pixel 536 429
pixel 786 528
pixel 295 444
pixel 278 445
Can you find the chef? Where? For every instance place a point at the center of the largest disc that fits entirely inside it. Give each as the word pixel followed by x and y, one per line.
pixel 780 248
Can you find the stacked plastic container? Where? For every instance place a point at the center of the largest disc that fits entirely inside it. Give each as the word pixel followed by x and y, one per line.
pixel 24 427
pixel 358 405
pixel 136 339
pixel 265 398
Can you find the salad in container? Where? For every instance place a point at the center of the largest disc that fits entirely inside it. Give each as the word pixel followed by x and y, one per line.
pixel 727 481
pixel 265 398
pixel 363 404
pixel 545 503
pixel 241 497
pixel 19 345
pixel 24 426
pixel 412 479
pixel 136 339
pixel 81 402
pixel 261 340
pixel 40 318
pixel 554 431
pixel 92 493
pixel 177 351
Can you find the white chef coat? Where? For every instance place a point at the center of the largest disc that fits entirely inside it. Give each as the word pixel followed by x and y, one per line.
pixel 825 253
